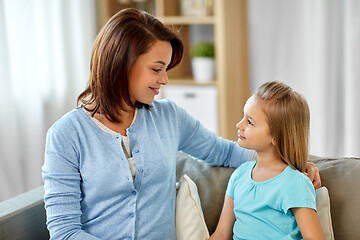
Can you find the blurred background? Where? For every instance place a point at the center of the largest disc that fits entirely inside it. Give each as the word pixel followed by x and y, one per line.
pixel 313 46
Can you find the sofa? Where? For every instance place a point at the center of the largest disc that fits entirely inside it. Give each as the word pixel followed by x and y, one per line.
pixel 23 217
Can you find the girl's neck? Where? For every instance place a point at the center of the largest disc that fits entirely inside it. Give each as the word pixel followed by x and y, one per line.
pixel 267 166
pixel 269 158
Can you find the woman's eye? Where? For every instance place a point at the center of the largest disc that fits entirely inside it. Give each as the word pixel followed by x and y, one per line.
pixel 156 70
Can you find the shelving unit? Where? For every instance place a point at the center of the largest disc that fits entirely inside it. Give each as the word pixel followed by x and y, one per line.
pixel 229 21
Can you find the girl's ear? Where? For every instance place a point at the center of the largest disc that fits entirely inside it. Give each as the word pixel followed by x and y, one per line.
pixel 273 141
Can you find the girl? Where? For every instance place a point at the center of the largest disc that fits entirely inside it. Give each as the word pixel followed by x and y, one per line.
pixel 271 198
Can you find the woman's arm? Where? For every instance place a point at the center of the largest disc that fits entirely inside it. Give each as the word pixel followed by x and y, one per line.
pixel 309 224
pixel 201 143
pixel 62 198
pixel 224 228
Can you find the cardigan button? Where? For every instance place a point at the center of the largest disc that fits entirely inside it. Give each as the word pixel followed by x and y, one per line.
pixel 137 151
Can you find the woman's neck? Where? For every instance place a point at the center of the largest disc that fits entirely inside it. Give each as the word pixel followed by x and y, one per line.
pixel 126 120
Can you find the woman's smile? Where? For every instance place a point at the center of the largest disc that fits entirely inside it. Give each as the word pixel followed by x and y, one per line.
pixel 155 90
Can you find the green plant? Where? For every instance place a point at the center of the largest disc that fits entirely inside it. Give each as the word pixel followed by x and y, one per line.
pixel 203 49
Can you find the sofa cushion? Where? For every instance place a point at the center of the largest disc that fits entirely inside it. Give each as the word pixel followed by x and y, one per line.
pixel 211 183
pixel 190 222
pixel 323 211
pixel 341 176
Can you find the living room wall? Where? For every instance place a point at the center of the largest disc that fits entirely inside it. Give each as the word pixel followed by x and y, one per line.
pixel 45 48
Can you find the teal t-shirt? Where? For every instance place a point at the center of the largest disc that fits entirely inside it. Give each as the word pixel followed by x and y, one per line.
pixel 263 209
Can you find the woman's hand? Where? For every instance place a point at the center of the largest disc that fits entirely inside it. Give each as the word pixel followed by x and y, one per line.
pixel 313 173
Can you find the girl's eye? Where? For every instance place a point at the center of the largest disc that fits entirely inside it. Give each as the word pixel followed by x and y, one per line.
pixel 249 122
pixel 156 70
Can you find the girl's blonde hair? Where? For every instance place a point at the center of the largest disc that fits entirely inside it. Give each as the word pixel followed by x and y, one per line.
pixel 288 117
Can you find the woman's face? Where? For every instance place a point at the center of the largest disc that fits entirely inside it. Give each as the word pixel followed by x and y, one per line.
pixel 149 73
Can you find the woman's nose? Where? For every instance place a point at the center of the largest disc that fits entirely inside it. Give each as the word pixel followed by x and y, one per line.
pixel 164 80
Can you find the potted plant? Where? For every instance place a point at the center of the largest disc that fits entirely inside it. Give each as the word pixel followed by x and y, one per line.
pixel 203 62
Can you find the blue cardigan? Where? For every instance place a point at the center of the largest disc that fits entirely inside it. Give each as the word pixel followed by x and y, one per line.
pixel 89 191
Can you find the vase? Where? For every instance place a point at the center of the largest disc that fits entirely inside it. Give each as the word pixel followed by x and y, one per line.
pixel 203 69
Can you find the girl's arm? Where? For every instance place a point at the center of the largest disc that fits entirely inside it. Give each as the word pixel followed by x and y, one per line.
pixel 226 222
pixel 309 224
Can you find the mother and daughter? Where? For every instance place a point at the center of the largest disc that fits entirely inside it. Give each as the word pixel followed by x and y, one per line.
pixel 110 164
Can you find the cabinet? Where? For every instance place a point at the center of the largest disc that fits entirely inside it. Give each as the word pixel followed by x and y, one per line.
pixel 199 101
pixel 228 22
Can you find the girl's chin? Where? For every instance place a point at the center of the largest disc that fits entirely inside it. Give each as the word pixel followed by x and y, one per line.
pixel 241 144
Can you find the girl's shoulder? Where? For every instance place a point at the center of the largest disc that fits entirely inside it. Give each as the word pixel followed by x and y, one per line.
pixel 297 177
pixel 297 191
pixel 296 182
pixel 246 166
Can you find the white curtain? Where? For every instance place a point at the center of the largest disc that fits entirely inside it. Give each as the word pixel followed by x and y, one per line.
pixel 45 49
pixel 314 46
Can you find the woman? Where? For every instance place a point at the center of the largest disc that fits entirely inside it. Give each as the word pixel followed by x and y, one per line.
pixel 109 170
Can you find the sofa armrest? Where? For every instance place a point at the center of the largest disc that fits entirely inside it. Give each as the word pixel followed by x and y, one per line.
pixel 24 217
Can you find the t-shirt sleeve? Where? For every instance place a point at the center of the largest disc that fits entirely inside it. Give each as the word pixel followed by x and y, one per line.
pixel 236 176
pixel 300 193
pixel 230 187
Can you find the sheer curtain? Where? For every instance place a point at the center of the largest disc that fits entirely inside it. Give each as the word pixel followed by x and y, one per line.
pixel 45 49
pixel 314 46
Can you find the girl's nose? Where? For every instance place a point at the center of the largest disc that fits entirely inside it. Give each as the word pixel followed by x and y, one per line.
pixel 239 125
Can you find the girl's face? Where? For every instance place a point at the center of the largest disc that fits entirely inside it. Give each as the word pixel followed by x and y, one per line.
pixel 149 73
pixel 253 129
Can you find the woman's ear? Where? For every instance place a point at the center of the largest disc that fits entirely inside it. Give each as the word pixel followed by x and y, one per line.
pixel 273 141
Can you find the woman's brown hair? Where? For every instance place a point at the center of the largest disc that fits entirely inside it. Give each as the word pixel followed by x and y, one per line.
pixel 127 35
pixel 289 120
